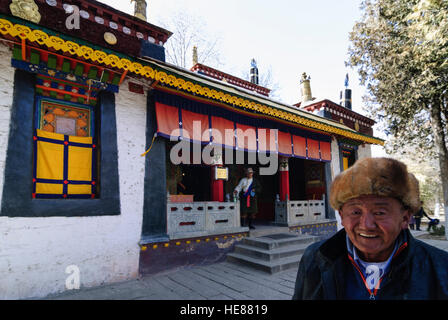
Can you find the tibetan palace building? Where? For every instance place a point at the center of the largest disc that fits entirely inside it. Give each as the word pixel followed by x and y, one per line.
pixel 117 164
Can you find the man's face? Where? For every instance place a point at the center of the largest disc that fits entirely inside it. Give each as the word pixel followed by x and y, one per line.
pixel 372 224
pixel 249 174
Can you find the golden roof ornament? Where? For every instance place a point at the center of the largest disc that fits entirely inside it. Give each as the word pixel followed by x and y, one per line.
pixel 110 38
pixel 25 9
pixel 306 88
pixel 140 9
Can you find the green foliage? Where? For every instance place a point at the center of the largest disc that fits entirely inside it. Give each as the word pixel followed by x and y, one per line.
pixel 400 48
pixel 438 231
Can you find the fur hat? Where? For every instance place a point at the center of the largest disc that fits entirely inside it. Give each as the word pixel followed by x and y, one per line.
pixel 376 176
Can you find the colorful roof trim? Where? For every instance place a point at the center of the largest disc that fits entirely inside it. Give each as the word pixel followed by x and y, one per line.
pixel 184 80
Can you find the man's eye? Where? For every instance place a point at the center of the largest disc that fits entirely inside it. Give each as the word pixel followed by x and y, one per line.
pixel 380 213
pixel 356 213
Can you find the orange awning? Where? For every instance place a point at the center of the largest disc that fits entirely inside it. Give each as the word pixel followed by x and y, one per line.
pixel 167 120
pixel 246 137
pixel 267 140
pixel 223 131
pixel 195 126
pixel 313 149
pixel 203 128
pixel 284 143
pixel 325 150
pixel 299 146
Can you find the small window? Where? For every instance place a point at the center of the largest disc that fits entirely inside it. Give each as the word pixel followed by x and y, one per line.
pixel 64 150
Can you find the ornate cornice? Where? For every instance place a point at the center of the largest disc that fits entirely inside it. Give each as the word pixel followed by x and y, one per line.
pixel 157 73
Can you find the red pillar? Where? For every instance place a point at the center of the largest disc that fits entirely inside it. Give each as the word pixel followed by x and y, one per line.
pixel 217 187
pixel 284 178
pixel 217 190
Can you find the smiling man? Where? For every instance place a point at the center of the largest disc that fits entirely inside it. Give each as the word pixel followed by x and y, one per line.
pixel 374 256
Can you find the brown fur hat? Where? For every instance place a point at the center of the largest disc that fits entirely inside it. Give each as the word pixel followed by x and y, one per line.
pixel 376 176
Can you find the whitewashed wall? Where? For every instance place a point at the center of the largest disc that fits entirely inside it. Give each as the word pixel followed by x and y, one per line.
pixel 335 170
pixel 335 159
pixel 364 151
pixel 34 252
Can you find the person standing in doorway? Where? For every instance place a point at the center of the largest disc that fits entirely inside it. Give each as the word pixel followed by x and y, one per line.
pixel 247 189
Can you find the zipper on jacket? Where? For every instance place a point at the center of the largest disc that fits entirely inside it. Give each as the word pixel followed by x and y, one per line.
pixel 371 292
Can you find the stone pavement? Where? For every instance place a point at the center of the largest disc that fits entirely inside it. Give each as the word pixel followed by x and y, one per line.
pixel 221 281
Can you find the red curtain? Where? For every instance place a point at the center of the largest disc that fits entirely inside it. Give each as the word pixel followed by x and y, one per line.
pixel 267 139
pixel 195 126
pixel 325 150
pixel 299 146
pixel 284 143
pixel 167 120
pixel 246 137
pixel 223 131
pixel 313 149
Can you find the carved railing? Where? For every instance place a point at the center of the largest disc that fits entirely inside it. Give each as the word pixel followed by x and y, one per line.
pixel 294 213
pixel 192 219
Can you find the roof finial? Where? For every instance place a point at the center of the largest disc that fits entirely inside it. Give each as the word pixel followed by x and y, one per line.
pixel 254 72
pixel 195 56
pixel 346 80
pixel 140 9
pixel 305 88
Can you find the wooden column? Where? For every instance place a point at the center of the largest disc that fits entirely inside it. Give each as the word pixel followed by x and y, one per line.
pixel 284 178
pixel 217 186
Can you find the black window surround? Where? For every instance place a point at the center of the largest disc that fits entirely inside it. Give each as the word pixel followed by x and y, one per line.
pixel 17 198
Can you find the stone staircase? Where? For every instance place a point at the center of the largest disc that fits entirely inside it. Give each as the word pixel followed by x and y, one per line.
pixel 271 253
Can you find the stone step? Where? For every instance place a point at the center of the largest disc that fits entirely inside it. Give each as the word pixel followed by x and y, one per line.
pixel 273 241
pixel 267 266
pixel 267 230
pixel 273 254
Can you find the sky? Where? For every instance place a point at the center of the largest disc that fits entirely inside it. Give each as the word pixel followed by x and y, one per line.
pixel 288 36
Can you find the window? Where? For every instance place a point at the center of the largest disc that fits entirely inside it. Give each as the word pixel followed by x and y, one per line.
pixel 17 200
pixel 64 150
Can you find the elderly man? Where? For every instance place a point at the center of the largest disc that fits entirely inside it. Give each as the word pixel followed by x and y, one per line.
pixel 374 256
pixel 248 188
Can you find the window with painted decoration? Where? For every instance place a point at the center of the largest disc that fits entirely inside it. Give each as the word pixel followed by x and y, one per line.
pixel 65 147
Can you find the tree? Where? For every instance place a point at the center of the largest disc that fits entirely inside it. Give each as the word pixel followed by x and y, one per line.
pixel 189 31
pixel 400 48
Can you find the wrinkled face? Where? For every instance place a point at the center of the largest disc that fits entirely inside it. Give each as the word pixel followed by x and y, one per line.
pixel 372 224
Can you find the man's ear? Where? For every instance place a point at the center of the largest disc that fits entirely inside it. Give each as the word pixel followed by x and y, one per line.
pixel 340 214
pixel 406 218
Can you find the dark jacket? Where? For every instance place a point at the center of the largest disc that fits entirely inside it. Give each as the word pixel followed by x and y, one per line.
pixel 421 213
pixel 419 271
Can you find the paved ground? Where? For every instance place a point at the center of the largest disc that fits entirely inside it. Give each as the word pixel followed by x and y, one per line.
pixel 221 281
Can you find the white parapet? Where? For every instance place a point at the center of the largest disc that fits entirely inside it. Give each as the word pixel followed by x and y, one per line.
pixel 197 219
pixel 295 213
pixel 316 210
pixel 298 212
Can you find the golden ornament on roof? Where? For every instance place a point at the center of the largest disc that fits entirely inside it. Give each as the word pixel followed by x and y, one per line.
pixel 25 9
pixel 110 38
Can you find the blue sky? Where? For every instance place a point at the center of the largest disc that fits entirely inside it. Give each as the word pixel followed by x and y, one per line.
pixel 290 37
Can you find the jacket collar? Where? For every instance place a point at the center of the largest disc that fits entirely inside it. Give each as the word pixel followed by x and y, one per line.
pixel 335 247
pixel 334 263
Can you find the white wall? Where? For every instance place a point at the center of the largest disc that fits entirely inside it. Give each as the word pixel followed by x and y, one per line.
pixel 34 252
pixel 335 170
pixel 335 159
pixel 364 151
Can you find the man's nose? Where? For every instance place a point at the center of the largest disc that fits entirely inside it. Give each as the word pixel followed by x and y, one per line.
pixel 367 221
